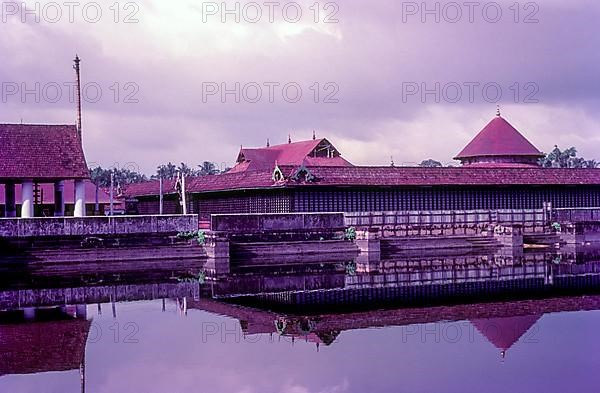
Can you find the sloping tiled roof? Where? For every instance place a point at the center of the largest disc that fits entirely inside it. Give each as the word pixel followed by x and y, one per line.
pixel 499 138
pixel 286 154
pixel 39 151
pixel 380 176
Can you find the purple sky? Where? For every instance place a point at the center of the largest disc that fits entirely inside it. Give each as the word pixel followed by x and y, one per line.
pixel 369 55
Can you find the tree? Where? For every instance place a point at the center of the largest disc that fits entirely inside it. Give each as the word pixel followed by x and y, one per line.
pixel 168 171
pixel 186 170
pixel 121 176
pixel 566 159
pixel 430 163
pixel 207 168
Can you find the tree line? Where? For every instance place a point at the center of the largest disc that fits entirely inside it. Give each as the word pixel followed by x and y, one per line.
pixel 122 176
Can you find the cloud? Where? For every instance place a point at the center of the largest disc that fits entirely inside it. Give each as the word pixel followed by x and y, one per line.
pixel 367 58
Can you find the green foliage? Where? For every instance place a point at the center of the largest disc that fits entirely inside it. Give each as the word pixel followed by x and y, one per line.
pixel 350 234
pixel 430 163
pixel 169 170
pixel 122 177
pixel 351 268
pixel 566 159
pixel 200 236
pixel 101 176
pixel 193 278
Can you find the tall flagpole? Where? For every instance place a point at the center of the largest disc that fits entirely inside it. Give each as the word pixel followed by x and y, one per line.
pixel 183 199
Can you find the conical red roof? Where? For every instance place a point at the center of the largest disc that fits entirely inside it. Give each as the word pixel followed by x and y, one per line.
pixel 499 138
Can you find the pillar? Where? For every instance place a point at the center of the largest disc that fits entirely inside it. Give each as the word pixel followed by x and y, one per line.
pixel 59 198
pixel 10 208
pixel 27 199
pixel 79 198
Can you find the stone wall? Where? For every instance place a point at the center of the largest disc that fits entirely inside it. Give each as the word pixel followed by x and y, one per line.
pixel 251 223
pixel 97 225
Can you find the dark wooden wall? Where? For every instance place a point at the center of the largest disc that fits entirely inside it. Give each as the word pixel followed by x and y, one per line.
pixel 440 198
pixel 373 199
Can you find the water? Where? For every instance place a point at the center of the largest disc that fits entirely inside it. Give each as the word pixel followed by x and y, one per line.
pixel 252 337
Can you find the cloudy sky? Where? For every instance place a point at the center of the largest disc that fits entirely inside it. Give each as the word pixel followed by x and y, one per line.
pixel 186 81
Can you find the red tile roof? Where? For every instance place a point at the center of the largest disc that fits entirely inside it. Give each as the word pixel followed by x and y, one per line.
pixel 287 154
pixel 39 151
pixel 380 176
pixel 499 138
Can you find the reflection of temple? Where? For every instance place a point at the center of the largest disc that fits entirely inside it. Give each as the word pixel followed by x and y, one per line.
pixel 502 323
pixel 44 340
pixel 505 332
pixel 39 334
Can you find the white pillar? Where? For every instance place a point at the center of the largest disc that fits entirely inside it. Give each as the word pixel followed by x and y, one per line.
pixel 79 198
pixel 27 199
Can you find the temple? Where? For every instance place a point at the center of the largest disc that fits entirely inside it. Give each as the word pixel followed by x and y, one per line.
pixel 499 171
pixel 35 156
pixel 500 144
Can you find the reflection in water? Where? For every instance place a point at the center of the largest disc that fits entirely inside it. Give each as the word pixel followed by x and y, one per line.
pixel 504 332
pixel 185 325
pixel 37 341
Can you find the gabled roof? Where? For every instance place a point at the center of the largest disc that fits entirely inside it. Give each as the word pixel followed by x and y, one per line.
pixel 499 138
pixel 41 151
pixel 287 154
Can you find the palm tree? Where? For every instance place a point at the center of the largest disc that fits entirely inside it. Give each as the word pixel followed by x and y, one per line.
pixel 207 168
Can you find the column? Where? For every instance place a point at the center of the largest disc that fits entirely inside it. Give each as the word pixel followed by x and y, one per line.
pixel 9 200
pixel 79 198
pixel 27 199
pixel 59 198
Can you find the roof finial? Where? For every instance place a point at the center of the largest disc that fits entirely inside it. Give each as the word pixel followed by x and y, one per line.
pixel 268 143
pixel 498 110
pixel 314 135
pixel 289 138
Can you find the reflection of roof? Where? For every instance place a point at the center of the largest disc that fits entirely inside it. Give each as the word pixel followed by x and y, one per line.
pixel 379 176
pixel 43 346
pixel 504 332
pixel 499 138
pixel 47 193
pixel 41 152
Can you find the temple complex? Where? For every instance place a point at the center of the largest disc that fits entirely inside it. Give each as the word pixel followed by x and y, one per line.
pixel 499 170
